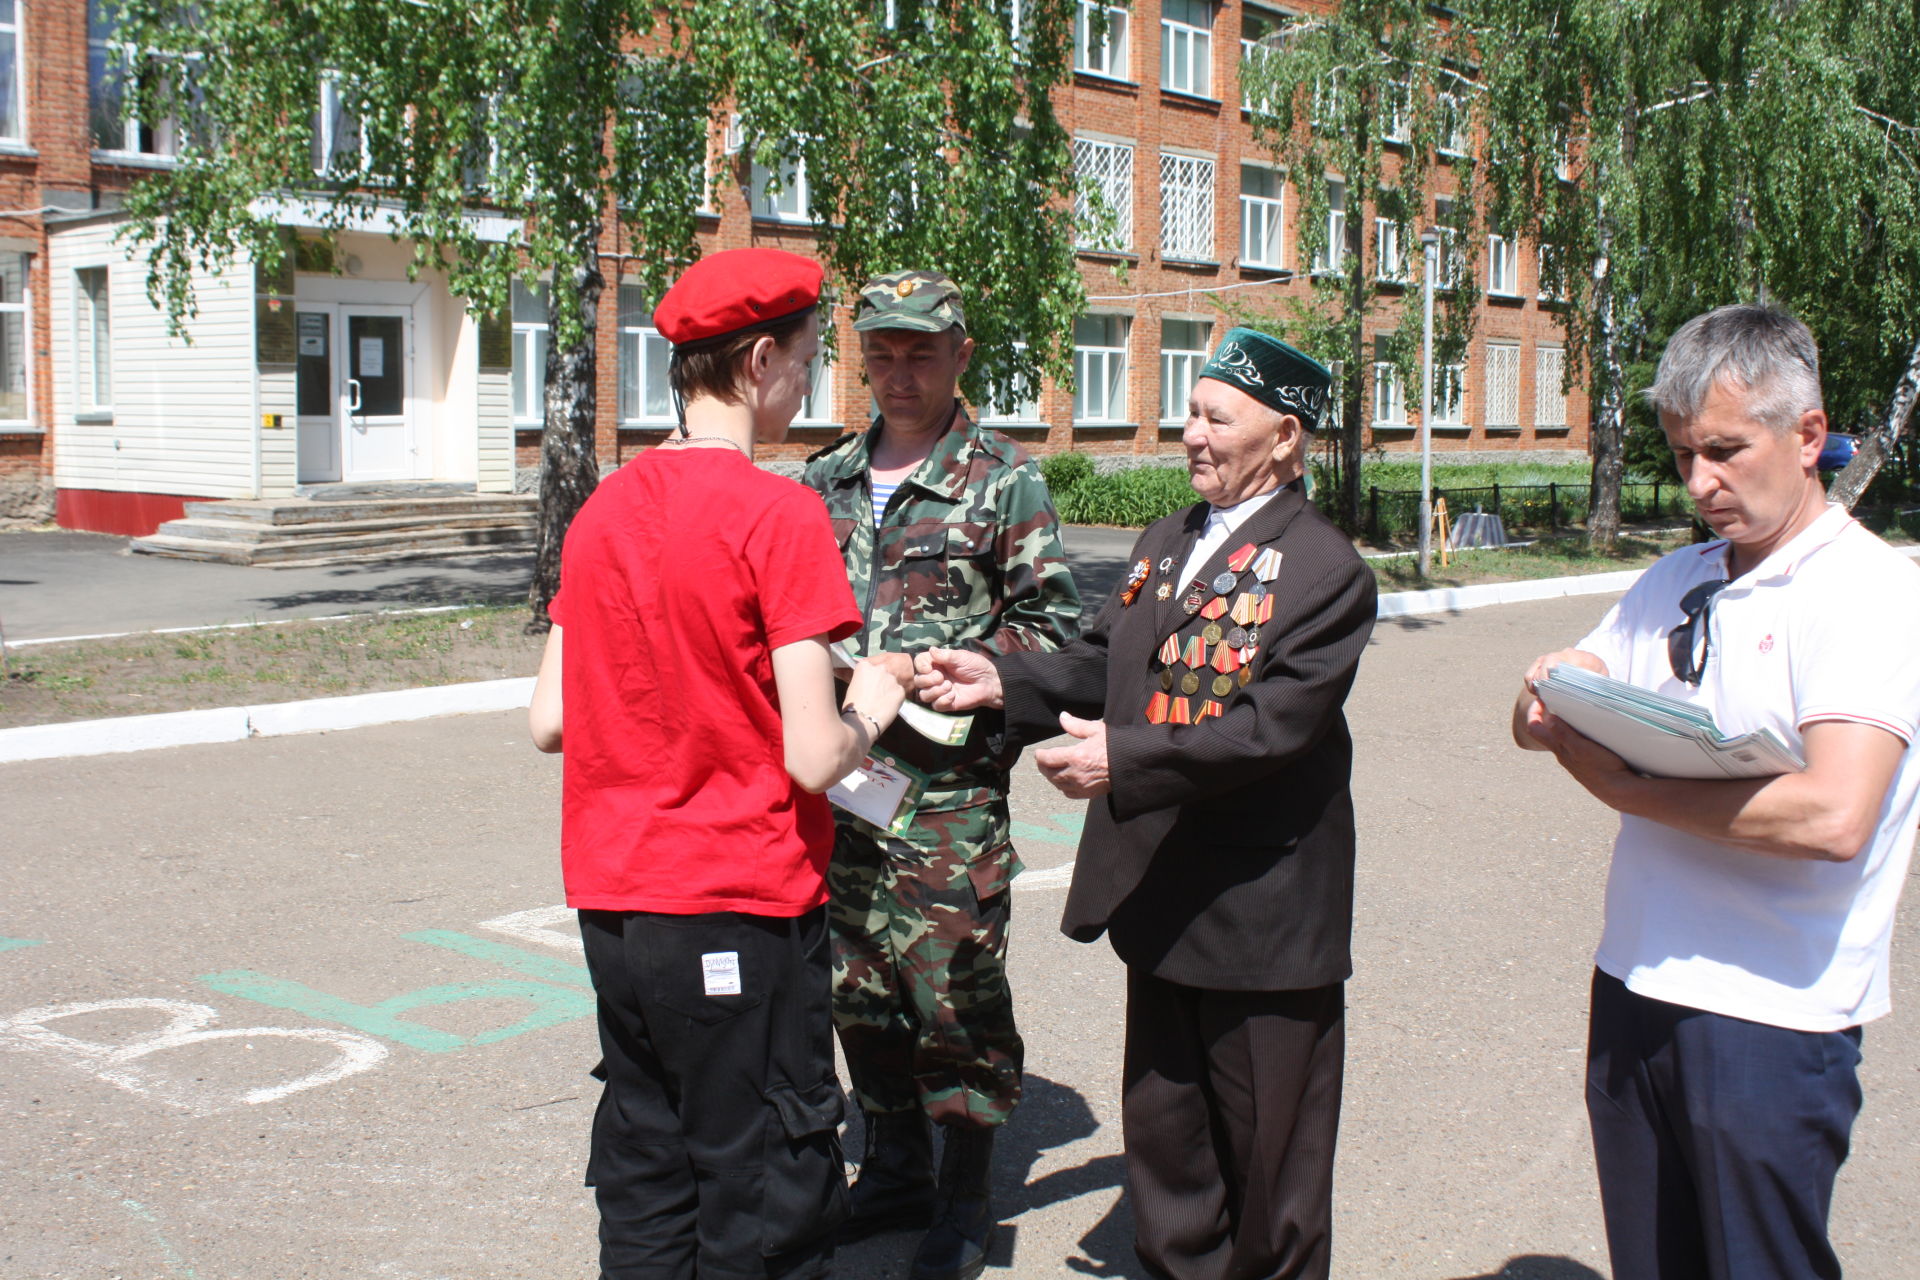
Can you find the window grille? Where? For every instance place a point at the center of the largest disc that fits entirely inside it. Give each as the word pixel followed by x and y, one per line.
pixel 1103 199
pixel 1503 386
pixel 1549 400
pixel 1186 207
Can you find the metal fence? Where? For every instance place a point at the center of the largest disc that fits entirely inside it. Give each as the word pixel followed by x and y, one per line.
pixel 1547 507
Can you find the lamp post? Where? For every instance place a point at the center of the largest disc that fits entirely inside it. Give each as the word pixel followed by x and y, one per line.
pixel 1429 254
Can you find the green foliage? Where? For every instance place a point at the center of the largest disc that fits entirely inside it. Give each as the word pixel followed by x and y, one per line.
pixel 1132 499
pixel 1062 471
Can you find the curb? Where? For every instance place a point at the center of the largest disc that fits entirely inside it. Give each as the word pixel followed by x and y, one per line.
pixel 358 711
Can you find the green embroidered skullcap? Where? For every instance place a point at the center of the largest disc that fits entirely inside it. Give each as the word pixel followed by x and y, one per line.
pixel 925 301
pixel 1283 379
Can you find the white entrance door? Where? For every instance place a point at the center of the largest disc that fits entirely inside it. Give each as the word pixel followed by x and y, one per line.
pixel 376 392
pixel 354 391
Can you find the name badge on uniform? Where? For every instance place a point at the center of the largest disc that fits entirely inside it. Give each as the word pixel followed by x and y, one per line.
pixel 720 971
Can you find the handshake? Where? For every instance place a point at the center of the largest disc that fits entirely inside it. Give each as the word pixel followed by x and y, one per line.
pixel 957 681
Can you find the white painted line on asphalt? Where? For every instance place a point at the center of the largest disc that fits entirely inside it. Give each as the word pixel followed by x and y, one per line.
pixel 232 724
pixel 243 626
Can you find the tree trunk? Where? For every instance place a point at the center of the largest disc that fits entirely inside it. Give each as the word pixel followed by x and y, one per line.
pixel 568 468
pixel 1878 443
pixel 1608 434
pixel 1352 422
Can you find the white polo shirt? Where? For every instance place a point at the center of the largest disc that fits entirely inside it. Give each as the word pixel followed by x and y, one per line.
pixel 1826 628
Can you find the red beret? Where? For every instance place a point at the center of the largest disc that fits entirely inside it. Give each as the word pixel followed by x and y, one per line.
pixel 733 290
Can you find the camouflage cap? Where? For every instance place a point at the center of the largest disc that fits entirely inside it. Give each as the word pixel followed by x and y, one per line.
pixel 926 301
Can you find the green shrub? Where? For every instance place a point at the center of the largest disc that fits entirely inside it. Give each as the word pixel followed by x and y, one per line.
pixel 1132 499
pixel 1063 471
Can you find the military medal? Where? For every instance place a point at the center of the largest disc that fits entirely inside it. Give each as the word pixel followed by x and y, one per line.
pixel 1245 607
pixel 1223 581
pixel 1166 566
pixel 1190 683
pixel 1166 678
pixel 1157 709
pixel 1237 637
pixel 1253 637
pixel 1165 592
pixel 1179 712
pixel 1214 608
pixel 1246 674
pixel 1222 686
pixel 1134 581
pixel 1212 633
pixel 1266 566
pixel 1196 596
pixel 1258 591
pixel 1228 658
pixel 1194 654
pixel 1239 560
pixel 1209 708
pixel 1266 610
pixel 1169 650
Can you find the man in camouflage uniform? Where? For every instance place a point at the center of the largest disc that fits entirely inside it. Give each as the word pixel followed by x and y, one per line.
pixel 951 540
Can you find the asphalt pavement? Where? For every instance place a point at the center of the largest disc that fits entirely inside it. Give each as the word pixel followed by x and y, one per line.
pixel 59 583
pixel 309 1007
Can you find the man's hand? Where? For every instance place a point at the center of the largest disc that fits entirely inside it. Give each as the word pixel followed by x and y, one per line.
pixel 956 680
pixel 1080 771
pixel 1592 765
pixel 897 665
pixel 1528 715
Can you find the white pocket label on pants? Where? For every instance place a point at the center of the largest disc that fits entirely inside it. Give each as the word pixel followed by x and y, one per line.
pixel 721 970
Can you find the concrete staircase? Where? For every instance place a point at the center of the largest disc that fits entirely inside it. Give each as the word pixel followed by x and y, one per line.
pixel 347 524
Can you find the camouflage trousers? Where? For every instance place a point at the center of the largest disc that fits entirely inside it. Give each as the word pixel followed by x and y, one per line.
pixel 920 995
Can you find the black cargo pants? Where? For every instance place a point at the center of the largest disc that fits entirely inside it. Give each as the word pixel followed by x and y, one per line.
pixel 715 1147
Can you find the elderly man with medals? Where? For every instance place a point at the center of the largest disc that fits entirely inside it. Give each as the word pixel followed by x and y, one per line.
pixel 1204 704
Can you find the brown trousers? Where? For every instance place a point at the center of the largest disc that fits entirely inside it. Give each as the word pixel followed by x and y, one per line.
pixel 1231 1109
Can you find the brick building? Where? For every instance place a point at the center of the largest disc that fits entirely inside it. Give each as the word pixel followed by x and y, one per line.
pixel 342 369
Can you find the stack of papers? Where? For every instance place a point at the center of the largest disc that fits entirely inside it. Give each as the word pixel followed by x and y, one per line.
pixel 1659 736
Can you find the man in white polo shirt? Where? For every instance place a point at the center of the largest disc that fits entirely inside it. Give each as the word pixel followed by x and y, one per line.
pixel 1747 921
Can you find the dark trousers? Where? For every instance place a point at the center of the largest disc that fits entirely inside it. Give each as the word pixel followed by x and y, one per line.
pixel 1717 1140
pixel 715 1146
pixel 1231 1109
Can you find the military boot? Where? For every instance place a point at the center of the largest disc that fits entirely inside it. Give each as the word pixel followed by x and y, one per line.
pixel 956 1245
pixel 895 1187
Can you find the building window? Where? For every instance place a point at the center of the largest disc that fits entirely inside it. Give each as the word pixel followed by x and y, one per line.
pixel 530 338
pixel 1449 397
pixel 93 341
pixel 1503 386
pixel 1332 256
pixel 1103 194
pixel 1503 267
pixel 1390 264
pixel 817 408
pixel 110 63
pixel 11 124
pixel 1553 281
pixel 1398 101
pixel 13 337
pixel 339 142
pixel 645 399
pixel 1186 207
pixel 1453 125
pixel 1444 260
pixel 1549 399
pixel 1183 350
pixel 1001 406
pixel 1100 369
pixel 1259 32
pixel 1186 46
pixel 1389 397
pixel 1262 216
pixel 1108 57
pixel 789 202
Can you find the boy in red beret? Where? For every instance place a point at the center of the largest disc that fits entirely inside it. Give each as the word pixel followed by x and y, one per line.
pixel 698 597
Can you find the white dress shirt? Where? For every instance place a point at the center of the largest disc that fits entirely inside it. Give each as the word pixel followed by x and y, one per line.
pixel 1222 523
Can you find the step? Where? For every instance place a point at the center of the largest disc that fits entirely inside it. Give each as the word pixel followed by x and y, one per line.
pixel 401 543
pixel 196 527
pixel 301 511
pixel 351 490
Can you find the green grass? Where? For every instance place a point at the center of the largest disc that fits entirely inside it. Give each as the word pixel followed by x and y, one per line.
pixel 1547 558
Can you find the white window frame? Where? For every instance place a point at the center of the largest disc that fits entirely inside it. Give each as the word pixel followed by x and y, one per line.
pixel 1399 113
pixel 1543 261
pixel 1186 207
pixel 1252 51
pixel 1450 397
pixel 1503 267
pixel 1443 257
pixel 632 366
pixel 1453 117
pixel 530 340
pixel 996 411
pixel 331 132
pixel 792 202
pixel 1503 386
pixel 93 341
pixel 1263 221
pixel 1110 59
pixel 816 410
pixel 167 136
pixel 12 32
pixel 1179 369
pixel 1186 54
pixel 1331 258
pixel 1549 398
pixel 1389 397
pixel 1389 261
pixel 1100 374
pixel 1103 172
pixel 24 310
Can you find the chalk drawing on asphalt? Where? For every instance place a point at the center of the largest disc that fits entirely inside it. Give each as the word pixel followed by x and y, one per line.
pixel 537 926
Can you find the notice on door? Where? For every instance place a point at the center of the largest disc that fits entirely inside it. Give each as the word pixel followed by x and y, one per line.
pixel 373 358
pixel 313 334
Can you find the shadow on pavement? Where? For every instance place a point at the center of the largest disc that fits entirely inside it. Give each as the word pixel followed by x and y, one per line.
pixel 492 580
pixel 1539 1266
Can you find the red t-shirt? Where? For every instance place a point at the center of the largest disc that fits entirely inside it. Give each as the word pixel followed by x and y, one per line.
pixel 680 576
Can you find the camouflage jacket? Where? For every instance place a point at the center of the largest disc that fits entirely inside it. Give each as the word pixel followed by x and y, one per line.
pixel 968 555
